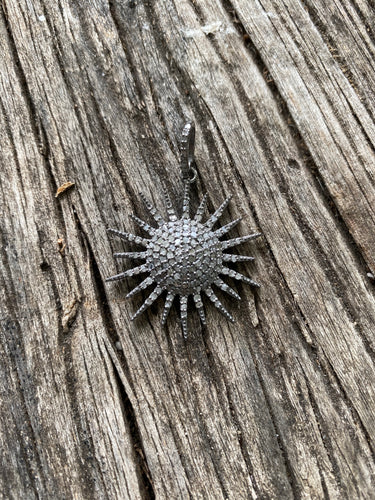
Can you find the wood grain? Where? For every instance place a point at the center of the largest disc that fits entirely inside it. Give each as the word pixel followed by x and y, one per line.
pixel 282 403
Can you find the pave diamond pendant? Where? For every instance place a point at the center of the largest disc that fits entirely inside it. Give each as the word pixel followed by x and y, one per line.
pixel 184 256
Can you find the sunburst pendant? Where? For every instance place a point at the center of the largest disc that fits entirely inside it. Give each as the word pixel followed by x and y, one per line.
pixel 184 256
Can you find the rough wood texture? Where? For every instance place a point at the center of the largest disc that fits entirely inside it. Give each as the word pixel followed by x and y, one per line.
pixel 279 405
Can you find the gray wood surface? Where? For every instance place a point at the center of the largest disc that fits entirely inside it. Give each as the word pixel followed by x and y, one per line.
pixel 280 404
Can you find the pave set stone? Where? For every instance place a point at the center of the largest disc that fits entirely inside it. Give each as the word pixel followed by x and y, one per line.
pixel 184 257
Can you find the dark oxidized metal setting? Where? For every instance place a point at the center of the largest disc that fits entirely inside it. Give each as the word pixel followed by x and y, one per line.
pixel 184 256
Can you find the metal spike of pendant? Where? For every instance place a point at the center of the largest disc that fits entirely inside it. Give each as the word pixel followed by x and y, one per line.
pixel 184 256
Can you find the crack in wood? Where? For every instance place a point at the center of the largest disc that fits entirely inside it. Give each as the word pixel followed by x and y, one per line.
pixel 127 408
pixel 144 474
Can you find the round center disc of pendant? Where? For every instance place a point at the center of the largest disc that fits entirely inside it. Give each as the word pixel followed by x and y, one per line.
pixel 184 256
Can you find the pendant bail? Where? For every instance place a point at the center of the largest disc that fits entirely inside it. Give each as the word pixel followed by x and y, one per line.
pixel 189 173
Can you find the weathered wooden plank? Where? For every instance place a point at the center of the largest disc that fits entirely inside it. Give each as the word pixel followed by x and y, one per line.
pixel 62 410
pixel 279 405
pixel 333 122
pixel 347 29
